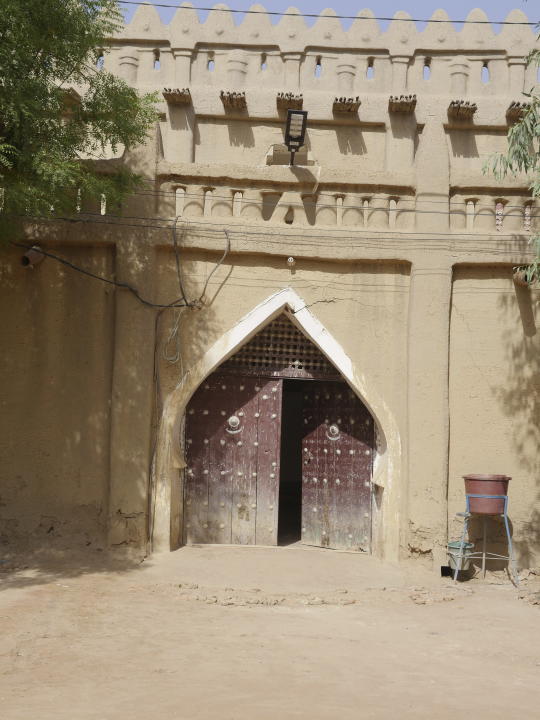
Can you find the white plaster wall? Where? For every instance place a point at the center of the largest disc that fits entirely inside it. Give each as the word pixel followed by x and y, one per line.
pixel 354 251
pixel 364 318
pixel 56 368
pixel 494 390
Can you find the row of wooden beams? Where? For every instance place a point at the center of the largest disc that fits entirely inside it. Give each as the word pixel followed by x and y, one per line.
pixel 457 110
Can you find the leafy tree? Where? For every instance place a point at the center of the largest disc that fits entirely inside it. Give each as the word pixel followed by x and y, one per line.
pixel 523 156
pixel 59 110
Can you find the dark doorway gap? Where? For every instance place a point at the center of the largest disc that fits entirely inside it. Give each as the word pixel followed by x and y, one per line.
pixel 290 482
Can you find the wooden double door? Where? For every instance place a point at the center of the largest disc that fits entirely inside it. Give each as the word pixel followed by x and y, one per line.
pixel 235 431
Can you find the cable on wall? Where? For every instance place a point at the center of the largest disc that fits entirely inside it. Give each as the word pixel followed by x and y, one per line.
pixel 177 258
pixel 217 265
pixel 178 303
pixel 408 198
pixel 401 211
pixel 250 229
pixel 116 283
pixel 329 17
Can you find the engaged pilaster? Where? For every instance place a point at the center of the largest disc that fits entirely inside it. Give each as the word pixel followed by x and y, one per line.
pixel 428 409
pixel 132 396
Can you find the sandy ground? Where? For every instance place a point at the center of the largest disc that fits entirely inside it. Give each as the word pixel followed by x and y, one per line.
pixel 262 633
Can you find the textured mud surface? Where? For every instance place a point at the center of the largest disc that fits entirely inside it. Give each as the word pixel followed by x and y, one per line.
pixel 238 633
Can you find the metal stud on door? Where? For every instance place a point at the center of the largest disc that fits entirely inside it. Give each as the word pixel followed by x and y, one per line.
pixel 268 459
pixel 337 456
pixel 232 453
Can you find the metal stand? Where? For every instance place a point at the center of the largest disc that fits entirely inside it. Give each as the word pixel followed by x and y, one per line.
pixel 486 555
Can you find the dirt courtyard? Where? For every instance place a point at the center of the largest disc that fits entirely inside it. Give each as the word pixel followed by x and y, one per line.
pixel 233 633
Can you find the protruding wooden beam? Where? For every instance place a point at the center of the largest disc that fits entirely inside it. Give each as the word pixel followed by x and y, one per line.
pixel 462 110
pixel 233 100
pixel 346 104
pixel 402 103
pixel 177 96
pixel 516 110
pixel 289 101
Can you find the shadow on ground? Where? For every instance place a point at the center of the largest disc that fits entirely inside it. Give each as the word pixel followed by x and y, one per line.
pixel 22 570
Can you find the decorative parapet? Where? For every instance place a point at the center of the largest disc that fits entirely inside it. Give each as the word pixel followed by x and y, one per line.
pixel 515 111
pixel 72 100
pixel 485 213
pixel 461 110
pixel 175 96
pixel 360 207
pixel 233 100
pixel 289 101
pixel 364 59
pixel 371 208
pixel 71 96
pixel 402 103
pixel 346 105
pixel 292 34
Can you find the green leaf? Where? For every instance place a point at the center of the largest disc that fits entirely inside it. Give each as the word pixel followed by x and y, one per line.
pixel 48 132
pixel 523 156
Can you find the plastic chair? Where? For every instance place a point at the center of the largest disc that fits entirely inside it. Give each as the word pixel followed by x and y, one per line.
pixel 486 555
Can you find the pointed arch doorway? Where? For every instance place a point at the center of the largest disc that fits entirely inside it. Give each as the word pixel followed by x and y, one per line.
pixel 279 449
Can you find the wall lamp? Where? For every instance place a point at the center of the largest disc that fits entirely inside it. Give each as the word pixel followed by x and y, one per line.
pixel 32 257
pixel 295 131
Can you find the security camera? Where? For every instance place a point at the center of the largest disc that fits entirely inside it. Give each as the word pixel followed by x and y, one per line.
pixel 32 257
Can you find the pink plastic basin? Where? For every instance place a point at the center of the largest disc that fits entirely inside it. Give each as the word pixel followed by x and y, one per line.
pixel 486 485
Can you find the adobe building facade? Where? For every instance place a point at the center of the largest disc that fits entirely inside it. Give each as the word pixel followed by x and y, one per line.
pixel 376 274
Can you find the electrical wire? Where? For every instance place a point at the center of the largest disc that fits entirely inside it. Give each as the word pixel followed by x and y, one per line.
pixel 177 259
pixel 123 285
pixel 173 336
pixel 178 303
pixel 339 236
pixel 456 203
pixel 174 357
pixel 396 211
pixel 329 17
pixel 249 229
pixel 307 203
pixel 217 265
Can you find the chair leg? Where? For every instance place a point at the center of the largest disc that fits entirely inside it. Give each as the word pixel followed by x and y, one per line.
pixel 511 551
pixel 484 528
pixel 461 548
